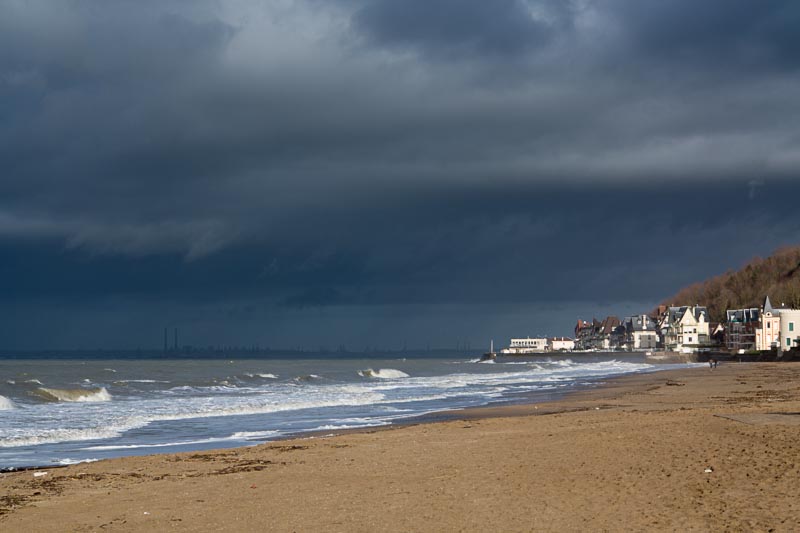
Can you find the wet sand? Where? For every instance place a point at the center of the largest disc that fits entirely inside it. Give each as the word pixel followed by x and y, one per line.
pixel 689 450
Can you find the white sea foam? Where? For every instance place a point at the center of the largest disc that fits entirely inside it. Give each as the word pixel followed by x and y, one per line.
pixel 263 376
pixel 254 435
pixel 154 445
pixel 34 381
pixel 383 373
pixel 121 381
pixel 67 462
pixel 6 404
pixel 74 395
pixel 187 410
pixel 188 389
pixel 308 377
pixel 334 427
pixel 33 436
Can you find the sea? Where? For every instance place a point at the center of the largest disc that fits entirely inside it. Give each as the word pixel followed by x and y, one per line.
pixel 65 411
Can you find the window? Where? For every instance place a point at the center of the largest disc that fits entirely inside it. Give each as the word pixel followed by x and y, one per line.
pixel 791 326
pixel 788 342
pixel 769 325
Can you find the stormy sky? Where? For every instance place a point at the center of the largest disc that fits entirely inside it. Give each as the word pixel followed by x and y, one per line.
pixel 379 172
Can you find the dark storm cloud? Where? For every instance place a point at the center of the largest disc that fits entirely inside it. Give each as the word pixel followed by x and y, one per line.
pixel 716 33
pixel 358 154
pixel 462 27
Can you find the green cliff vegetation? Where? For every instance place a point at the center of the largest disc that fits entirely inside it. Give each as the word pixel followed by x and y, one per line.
pixel 777 276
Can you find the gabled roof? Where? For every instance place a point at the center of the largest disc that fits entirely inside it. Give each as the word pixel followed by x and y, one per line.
pixel 767 305
pixel 639 323
pixel 677 313
pixel 609 324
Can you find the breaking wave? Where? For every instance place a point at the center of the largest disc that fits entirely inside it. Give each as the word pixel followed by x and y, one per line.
pixel 115 428
pixel 33 437
pixel 124 381
pixel 383 373
pixel 5 404
pixel 67 462
pixel 308 377
pixel 74 395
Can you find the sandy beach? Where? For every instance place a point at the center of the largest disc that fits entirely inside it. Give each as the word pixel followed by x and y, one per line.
pixel 689 450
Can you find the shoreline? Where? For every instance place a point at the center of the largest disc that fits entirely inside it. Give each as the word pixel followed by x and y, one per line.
pixel 637 446
pixel 446 414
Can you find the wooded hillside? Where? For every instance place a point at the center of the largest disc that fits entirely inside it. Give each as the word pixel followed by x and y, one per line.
pixel 777 276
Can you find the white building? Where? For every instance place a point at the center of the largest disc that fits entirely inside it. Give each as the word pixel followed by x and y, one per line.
pixel 640 333
pixel 768 332
pixel 686 328
pixel 790 328
pixel 562 344
pixel 526 345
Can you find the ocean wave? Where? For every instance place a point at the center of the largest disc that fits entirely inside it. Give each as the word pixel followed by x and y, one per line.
pixel 383 373
pixel 154 445
pixel 263 376
pixel 6 404
pixel 33 381
pixel 67 462
pixel 334 427
pixel 49 436
pixel 307 377
pixel 189 389
pixel 74 395
pixel 114 428
pixel 254 435
pixel 123 381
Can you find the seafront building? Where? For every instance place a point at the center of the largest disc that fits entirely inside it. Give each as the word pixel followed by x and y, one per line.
pixel 583 334
pixel 633 333
pixel 768 330
pixel 762 329
pixel 561 344
pixel 535 345
pixel 790 328
pixel 640 333
pixel 685 329
pixel 688 329
pixel 740 328
pixel 526 345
